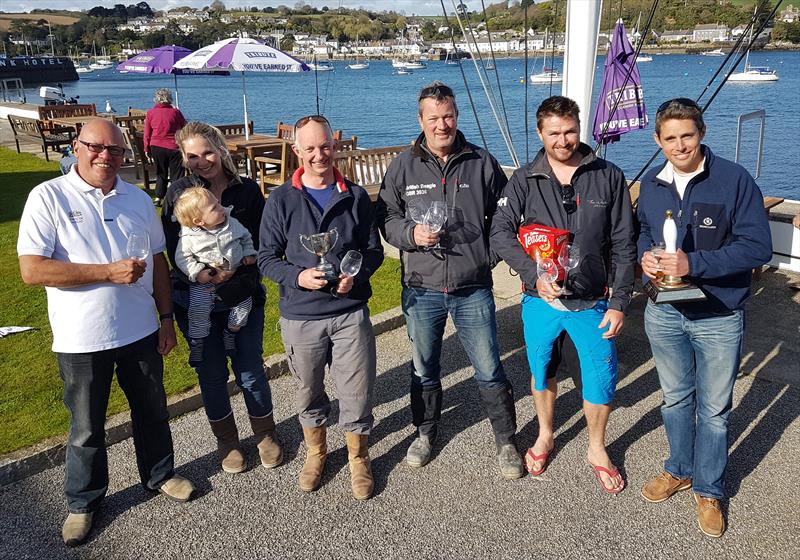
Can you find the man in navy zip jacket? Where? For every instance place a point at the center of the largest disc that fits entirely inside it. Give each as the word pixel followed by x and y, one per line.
pixel 723 234
pixel 448 271
pixel 324 323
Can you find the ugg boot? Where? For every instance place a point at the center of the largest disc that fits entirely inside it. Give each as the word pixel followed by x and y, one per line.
pixel 267 441
pixel 228 444
pixel 360 473
pixel 316 451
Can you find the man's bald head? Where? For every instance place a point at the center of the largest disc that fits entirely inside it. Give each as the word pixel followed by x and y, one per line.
pixel 96 164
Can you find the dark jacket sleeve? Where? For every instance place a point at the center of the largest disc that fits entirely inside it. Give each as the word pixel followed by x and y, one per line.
pixel 369 241
pixel 391 210
pixel 496 183
pixel 272 250
pixel 255 210
pixel 623 248
pixel 505 226
pixel 751 239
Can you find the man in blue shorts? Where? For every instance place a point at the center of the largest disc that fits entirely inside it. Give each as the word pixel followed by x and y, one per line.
pixel 568 187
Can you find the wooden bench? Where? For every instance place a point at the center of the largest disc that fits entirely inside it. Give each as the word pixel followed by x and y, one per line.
pixel 234 129
pixel 367 167
pixel 53 137
pixel 50 112
pixel 136 112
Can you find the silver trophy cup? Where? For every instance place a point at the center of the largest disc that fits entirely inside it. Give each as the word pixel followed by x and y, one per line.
pixel 320 244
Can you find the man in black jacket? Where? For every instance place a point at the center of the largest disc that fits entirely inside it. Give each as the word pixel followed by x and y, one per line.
pixel 325 323
pixel 448 270
pixel 568 187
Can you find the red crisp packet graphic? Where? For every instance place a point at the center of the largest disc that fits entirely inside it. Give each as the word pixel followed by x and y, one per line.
pixel 544 240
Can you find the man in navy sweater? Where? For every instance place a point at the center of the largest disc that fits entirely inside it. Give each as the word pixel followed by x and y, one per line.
pixel 324 323
pixel 723 234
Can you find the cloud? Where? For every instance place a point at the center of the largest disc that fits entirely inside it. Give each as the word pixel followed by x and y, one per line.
pixel 417 7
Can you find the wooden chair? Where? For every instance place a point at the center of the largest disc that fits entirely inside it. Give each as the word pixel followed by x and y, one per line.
pixel 234 129
pixel 367 167
pixel 135 123
pixel 134 141
pixel 275 165
pixel 285 131
pixel 347 144
pixel 34 129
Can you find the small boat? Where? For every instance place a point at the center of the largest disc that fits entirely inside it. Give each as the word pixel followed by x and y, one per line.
pixel 644 58
pixel 415 65
pixel 320 66
pixel 548 76
pixel 358 66
pixel 403 71
pixel 753 73
pixel 82 69
pixel 715 52
pixel 397 63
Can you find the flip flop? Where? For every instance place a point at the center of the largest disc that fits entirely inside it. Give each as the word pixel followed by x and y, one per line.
pixel 597 469
pixel 544 457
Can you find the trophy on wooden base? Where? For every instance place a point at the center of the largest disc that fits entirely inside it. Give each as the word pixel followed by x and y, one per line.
pixel 671 289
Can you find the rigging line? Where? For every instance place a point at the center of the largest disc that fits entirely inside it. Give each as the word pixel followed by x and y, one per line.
pixel 525 31
pixel 463 76
pixel 316 86
pixel 606 125
pixel 724 81
pixel 553 49
pixel 496 73
pixel 490 98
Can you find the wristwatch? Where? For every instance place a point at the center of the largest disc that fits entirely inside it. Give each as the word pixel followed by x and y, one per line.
pixel 165 316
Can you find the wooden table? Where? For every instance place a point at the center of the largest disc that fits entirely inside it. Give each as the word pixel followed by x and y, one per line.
pixel 237 144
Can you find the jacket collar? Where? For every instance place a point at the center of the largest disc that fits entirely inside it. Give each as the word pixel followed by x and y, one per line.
pixel 341 184
pixel 665 175
pixel 420 148
pixel 540 166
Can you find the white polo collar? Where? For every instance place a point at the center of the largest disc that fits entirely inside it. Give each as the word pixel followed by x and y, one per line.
pixel 120 187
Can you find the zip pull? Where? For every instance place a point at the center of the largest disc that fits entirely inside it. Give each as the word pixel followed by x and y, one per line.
pixel 680 213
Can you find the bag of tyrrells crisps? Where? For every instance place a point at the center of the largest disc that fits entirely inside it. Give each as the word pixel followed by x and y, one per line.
pixel 544 242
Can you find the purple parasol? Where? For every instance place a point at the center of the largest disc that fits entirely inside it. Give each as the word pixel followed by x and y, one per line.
pixel 630 114
pixel 155 61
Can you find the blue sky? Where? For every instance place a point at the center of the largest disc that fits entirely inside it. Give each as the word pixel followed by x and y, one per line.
pixel 421 7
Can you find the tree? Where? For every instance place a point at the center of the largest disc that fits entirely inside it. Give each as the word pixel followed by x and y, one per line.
pixel 217 6
pixel 287 43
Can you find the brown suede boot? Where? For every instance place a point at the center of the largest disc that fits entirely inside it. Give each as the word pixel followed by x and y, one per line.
pixel 266 440
pixel 316 451
pixel 360 473
pixel 228 444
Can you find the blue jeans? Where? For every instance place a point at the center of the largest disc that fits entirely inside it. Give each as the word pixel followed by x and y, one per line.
pixel 473 314
pixel 87 384
pixel 697 363
pixel 247 363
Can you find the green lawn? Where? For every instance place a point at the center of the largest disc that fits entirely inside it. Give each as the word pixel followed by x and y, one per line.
pixel 30 389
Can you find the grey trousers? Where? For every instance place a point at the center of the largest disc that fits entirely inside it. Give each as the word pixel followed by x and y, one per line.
pixel 346 344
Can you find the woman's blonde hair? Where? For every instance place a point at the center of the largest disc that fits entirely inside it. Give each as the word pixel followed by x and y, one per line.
pixel 189 204
pixel 214 137
pixel 163 96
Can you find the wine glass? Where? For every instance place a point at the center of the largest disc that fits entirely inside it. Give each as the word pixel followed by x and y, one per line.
pixel 568 258
pixel 435 218
pixel 657 249
pixel 138 247
pixel 351 263
pixel 417 210
pixel 547 270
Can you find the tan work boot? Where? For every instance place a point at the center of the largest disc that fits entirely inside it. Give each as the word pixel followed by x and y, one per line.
pixel 316 452
pixel 266 440
pixel 360 474
pixel 177 489
pixel 709 516
pixel 663 486
pixel 76 528
pixel 230 454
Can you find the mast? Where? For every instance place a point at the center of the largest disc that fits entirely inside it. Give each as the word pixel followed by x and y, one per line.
pixel 583 25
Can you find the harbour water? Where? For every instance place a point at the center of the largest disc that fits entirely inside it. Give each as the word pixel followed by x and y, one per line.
pixel 379 107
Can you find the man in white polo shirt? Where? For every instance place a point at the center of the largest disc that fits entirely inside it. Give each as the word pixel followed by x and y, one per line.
pixel 103 303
